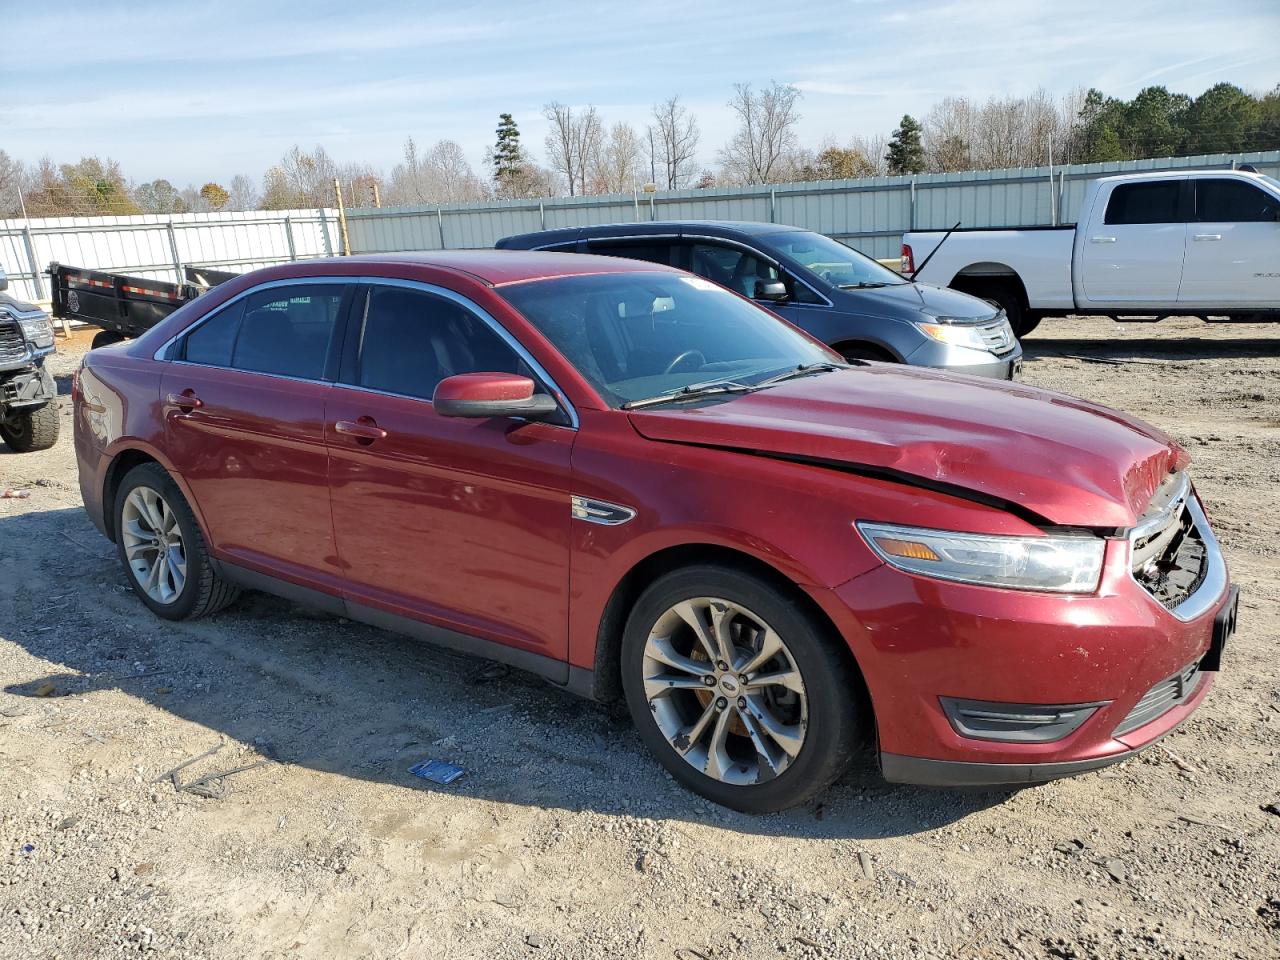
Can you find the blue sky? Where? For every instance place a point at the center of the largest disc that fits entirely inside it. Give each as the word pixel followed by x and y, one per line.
pixel 194 92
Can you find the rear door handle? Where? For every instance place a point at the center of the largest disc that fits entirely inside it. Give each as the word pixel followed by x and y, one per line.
pixel 1102 239
pixel 1208 236
pixel 363 429
pixel 186 401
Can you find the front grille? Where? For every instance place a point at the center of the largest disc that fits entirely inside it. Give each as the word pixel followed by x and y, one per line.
pixel 1170 559
pixel 997 336
pixel 12 344
pixel 1161 698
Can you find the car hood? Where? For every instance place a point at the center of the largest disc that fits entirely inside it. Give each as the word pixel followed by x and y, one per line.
pixel 916 301
pixel 1066 460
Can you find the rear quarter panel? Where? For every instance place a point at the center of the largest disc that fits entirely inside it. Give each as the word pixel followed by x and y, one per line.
pixel 1040 258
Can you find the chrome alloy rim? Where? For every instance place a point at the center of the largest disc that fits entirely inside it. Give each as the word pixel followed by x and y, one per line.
pixel 153 545
pixel 725 691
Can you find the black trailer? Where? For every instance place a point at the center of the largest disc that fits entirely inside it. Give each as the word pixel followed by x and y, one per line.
pixel 123 306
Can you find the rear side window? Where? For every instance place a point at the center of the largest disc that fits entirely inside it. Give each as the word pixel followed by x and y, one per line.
pixel 1231 201
pixel 213 341
pixel 287 330
pixel 411 340
pixel 1155 202
pixel 634 250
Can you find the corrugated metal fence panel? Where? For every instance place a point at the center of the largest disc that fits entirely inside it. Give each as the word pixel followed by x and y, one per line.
pixel 155 246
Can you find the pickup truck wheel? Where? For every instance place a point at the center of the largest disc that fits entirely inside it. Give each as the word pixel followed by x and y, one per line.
pixel 737 691
pixel 162 549
pixel 1009 297
pixel 28 430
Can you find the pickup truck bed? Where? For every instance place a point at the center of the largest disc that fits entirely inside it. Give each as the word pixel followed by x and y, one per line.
pixel 123 306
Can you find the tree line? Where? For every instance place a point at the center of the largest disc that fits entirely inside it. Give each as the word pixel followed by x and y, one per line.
pixel 586 155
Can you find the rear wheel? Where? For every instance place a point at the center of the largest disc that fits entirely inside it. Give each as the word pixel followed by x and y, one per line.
pixel 104 338
pixel 162 549
pixel 28 430
pixel 737 691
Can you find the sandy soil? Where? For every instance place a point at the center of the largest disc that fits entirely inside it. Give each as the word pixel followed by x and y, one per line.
pixel 564 839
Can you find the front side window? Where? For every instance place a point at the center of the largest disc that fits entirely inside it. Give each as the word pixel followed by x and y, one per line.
pixel 638 335
pixel 212 342
pixel 1154 202
pixel 832 261
pixel 1232 201
pixel 410 340
pixel 731 267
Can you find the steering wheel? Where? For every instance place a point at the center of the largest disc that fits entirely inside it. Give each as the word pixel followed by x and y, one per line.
pixel 684 359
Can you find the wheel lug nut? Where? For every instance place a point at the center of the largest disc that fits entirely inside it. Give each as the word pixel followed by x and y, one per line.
pixel 743 680
pixel 721 703
pixel 742 703
pixel 709 680
pixel 722 665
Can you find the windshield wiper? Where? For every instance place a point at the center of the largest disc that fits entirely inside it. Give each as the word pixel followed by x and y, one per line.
pixel 863 285
pixel 691 392
pixel 822 366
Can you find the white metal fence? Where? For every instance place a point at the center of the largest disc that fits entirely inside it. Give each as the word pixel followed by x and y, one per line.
pixel 160 246
pixel 871 214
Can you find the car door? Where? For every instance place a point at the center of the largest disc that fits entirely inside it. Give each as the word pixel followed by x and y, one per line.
pixel 244 399
pixel 1133 254
pixel 1233 245
pixel 459 523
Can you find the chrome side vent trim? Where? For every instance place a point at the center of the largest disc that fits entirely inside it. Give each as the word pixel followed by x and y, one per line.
pixel 599 511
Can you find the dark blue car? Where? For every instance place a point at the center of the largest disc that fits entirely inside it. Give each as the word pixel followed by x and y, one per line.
pixel 823 286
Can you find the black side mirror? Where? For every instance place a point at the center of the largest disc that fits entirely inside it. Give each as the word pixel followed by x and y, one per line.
pixel 774 290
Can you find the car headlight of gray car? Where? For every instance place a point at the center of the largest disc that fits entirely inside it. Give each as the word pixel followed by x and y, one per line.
pixel 38 331
pixel 955 333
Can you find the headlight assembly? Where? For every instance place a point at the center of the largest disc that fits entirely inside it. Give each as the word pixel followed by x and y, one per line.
pixel 955 335
pixel 1057 564
pixel 38 331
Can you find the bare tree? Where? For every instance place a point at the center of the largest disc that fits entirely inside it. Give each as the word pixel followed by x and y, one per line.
pixel 244 194
pixel 573 142
pixel 441 175
pixel 673 143
pixel 12 174
pixel 615 166
pixel 766 135
pixel 948 135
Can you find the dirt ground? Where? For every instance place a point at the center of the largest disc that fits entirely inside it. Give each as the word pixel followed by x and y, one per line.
pixel 563 839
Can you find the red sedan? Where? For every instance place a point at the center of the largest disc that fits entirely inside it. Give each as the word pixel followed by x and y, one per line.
pixel 638 484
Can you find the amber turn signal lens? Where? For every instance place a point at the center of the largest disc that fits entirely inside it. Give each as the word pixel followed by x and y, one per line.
pixel 906 548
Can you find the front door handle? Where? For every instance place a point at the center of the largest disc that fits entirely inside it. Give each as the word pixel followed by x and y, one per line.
pixel 1208 236
pixel 185 401
pixel 1102 239
pixel 363 429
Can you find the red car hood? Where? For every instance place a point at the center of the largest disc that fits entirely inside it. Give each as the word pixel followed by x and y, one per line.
pixel 1071 462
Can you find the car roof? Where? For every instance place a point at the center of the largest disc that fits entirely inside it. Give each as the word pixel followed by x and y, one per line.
pixel 497 267
pixel 1165 174
pixel 728 228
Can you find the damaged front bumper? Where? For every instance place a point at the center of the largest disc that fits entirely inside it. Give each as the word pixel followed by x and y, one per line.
pixel 32 387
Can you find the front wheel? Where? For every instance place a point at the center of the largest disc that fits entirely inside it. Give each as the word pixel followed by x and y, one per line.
pixel 738 692
pixel 162 549
pixel 28 430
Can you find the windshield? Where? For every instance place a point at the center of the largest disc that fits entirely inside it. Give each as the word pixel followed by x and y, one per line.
pixel 833 261
pixel 633 336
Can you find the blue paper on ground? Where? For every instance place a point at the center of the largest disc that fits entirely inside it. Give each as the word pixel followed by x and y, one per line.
pixel 437 771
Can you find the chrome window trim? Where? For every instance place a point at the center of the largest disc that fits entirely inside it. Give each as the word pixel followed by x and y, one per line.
pixel 1214 585
pixel 755 251
pixel 505 335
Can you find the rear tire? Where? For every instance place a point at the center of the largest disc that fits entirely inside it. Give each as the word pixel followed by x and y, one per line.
pixel 29 430
pixel 162 549
pixel 771 742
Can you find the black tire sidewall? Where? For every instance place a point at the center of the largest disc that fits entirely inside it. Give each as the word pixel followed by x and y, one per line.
pixel 27 431
pixel 834 693
pixel 154 476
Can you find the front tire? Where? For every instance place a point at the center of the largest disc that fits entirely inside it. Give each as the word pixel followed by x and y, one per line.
pixel 162 549
pixel 30 430
pixel 738 691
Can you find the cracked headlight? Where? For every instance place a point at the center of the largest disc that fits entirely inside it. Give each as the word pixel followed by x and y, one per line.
pixel 1057 564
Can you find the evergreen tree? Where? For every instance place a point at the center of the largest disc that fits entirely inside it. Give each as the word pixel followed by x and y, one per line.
pixel 507 156
pixel 906 152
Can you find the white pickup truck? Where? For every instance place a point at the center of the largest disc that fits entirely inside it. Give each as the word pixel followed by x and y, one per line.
pixel 1150 245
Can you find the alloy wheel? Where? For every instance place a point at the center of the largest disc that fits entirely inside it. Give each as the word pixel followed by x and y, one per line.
pixel 153 544
pixel 725 691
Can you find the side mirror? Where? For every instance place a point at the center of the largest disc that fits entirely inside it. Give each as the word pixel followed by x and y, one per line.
pixel 4 280
pixel 481 395
pixel 774 290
